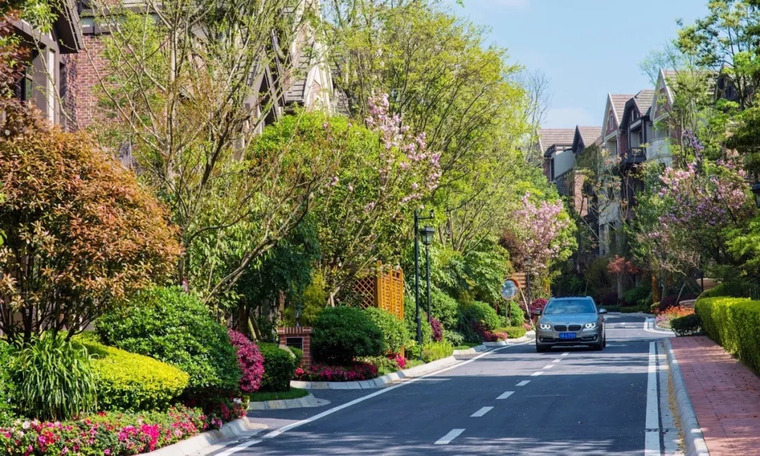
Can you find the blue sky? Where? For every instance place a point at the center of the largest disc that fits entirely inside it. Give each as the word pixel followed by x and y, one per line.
pixel 586 48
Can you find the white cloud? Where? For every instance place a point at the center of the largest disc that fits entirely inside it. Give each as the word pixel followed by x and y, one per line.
pixel 568 118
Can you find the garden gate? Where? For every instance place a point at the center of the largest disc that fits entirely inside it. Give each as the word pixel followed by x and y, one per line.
pixel 384 289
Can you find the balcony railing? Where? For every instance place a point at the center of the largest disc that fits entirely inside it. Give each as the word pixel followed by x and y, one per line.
pixel 635 155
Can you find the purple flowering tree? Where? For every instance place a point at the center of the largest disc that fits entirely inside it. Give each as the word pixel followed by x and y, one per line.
pixel 383 175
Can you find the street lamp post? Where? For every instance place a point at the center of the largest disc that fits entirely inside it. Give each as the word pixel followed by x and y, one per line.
pixel 417 234
pixel 427 237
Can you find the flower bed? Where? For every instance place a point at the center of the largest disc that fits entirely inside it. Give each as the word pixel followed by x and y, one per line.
pixel 104 434
pixel 664 318
pixel 494 336
pixel 323 373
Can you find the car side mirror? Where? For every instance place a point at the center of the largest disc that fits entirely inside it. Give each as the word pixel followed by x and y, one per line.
pixel 602 311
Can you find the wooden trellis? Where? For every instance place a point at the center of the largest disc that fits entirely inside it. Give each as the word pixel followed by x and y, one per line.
pixel 384 289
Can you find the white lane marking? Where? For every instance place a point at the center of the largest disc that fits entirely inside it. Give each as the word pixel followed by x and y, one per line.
pixel 282 430
pixel 652 427
pixel 565 354
pixel 536 374
pixel 548 366
pixel 239 447
pixel 557 360
pixel 446 439
pixel 481 412
pixel 523 383
pixel 506 394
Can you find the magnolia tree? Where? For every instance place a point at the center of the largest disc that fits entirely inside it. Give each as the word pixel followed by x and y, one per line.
pixel 382 177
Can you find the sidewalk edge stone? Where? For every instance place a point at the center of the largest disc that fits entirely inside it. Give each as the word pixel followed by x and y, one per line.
pixel 306 401
pixel 693 438
pixel 204 440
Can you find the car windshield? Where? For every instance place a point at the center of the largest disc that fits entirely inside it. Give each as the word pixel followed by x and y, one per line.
pixel 569 306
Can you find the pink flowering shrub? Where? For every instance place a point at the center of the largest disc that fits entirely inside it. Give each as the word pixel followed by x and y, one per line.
pixel 250 360
pixel 494 336
pixel 108 434
pixel 323 373
pixel 537 305
pixel 398 359
pixel 437 329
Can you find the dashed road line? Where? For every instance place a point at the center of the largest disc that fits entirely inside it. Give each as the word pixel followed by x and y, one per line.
pixel 557 360
pixel 548 366
pixel 506 394
pixel 523 383
pixel 481 412
pixel 536 374
pixel 565 354
pixel 446 439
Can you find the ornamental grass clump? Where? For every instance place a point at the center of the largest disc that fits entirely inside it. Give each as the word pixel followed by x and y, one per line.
pixel 53 379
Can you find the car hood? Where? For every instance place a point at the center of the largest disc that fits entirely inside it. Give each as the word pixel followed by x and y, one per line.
pixel 569 318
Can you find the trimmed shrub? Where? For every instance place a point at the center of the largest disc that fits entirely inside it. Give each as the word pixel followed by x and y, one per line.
pixel 432 351
pixel 634 295
pixel 343 333
pixel 176 328
pixel 733 323
pixel 475 318
pixel 687 325
pixel 321 373
pixel 6 385
pixel 516 314
pixel 279 367
pixel 444 308
pixel 53 379
pixel 453 337
pixel 514 332
pixel 132 382
pixel 393 329
pixel 250 360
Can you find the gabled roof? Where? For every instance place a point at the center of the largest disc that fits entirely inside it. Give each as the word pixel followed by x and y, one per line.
pixel 585 137
pixel 662 89
pixel 642 102
pixel 548 137
pixel 615 102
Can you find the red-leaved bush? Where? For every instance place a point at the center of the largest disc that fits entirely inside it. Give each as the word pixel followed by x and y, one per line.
pixel 323 373
pixel 494 336
pixel 437 329
pixel 537 305
pixel 398 359
pixel 250 360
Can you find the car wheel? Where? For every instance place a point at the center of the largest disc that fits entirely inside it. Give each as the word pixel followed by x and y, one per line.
pixel 604 341
pixel 599 346
pixel 541 348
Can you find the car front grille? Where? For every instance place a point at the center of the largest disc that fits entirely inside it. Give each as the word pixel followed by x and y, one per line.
pixel 575 327
pixel 560 327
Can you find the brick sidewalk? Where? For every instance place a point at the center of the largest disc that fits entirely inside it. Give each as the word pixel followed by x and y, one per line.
pixel 725 396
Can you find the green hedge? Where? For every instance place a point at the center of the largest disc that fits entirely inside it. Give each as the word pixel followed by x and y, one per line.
pixel 733 323
pixel 514 332
pixel 344 333
pixel 131 382
pixel 6 385
pixel 432 351
pixel 394 330
pixel 279 367
pixel 687 325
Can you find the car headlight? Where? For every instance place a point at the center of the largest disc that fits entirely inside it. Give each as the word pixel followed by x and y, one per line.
pixel 545 326
pixel 590 325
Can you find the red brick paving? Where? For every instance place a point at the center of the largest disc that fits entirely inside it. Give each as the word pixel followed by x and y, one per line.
pixel 725 396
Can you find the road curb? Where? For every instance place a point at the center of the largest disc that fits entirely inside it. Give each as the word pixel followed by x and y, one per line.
pixel 282 404
pixel 418 371
pixel 205 440
pixel 693 438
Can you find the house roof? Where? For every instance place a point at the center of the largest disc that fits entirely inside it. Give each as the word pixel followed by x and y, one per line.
pixel 548 137
pixel 618 103
pixel 589 135
pixel 643 100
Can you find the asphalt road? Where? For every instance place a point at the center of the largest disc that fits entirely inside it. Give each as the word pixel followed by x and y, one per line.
pixel 510 401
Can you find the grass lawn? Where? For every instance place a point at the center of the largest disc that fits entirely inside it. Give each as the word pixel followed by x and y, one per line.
pixel 466 345
pixel 294 393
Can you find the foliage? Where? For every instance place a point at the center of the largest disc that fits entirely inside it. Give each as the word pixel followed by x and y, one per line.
pixel 250 361
pixel 494 336
pixel 343 333
pixel 131 382
pixel 386 364
pixel 637 295
pixel 513 332
pixel 443 307
pixel 80 233
pixel 665 318
pixel 176 328
pixel 733 323
pixel 432 351
pixel 184 107
pixel 537 306
pixel 292 393
pixel 455 338
pixel 411 322
pixel 393 330
pixel 114 433
pixel 284 273
pixel 6 385
pixel 516 313
pixel 279 367
pixel 475 318
pixel 53 379
pixel 355 371
pixel 687 325
pixel 384 173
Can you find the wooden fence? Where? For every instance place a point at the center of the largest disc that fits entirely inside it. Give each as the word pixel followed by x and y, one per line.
pixel 384 289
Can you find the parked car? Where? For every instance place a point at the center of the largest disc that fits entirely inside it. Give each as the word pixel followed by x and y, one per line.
pixel 571 321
